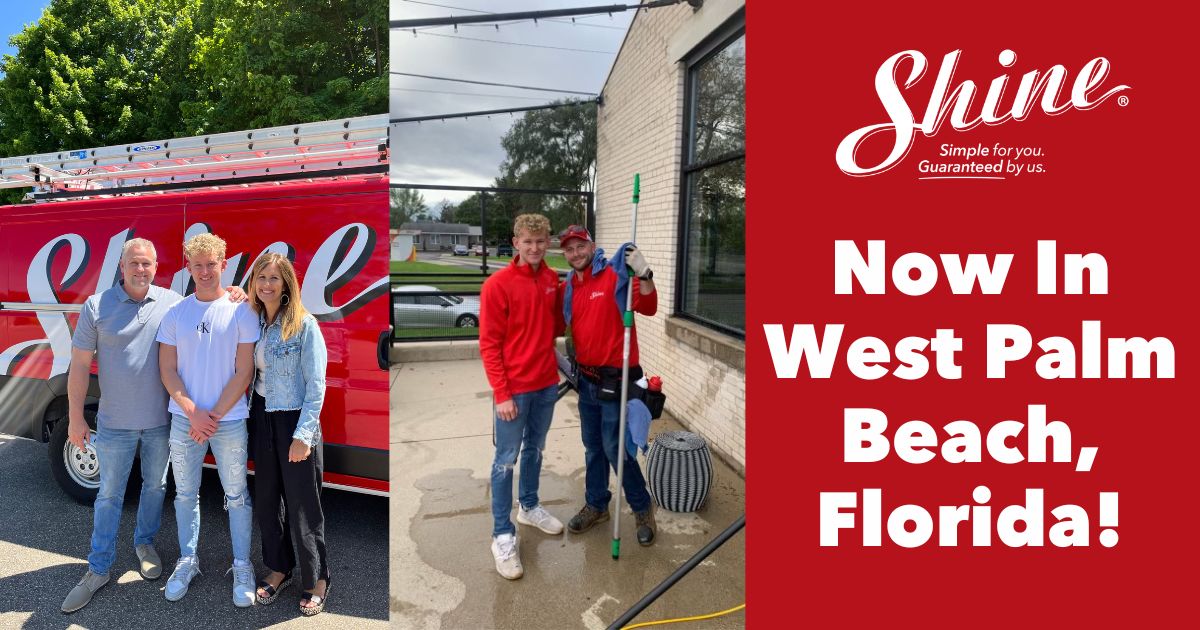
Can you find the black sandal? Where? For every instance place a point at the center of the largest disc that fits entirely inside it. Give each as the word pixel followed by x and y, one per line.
pixel 272 591
pixel 319 601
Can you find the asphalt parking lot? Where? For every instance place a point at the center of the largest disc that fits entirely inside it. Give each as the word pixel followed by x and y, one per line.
pixel 44 541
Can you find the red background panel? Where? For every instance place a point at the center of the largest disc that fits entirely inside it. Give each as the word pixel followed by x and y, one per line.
pixel 1118 182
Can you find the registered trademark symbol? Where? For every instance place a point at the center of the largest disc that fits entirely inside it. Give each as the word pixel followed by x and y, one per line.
pixel 1122 101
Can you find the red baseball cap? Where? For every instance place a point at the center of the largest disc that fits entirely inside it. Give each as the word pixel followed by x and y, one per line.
pixel 574 231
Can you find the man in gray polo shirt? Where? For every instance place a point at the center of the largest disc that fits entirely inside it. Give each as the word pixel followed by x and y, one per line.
pixel 119 327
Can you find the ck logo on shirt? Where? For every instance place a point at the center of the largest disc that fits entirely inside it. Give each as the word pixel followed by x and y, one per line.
pixel 203 328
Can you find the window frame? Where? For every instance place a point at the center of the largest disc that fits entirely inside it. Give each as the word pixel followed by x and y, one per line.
pixel 716 42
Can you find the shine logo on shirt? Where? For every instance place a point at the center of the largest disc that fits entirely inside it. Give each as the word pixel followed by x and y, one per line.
pixel 549 290
pixel 204 328
pixel 596 294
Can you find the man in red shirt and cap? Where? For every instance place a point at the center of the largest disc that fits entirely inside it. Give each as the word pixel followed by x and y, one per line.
pixel 520 316
pixel 594 300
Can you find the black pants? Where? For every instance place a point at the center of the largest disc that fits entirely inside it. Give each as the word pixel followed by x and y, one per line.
pixel 287 501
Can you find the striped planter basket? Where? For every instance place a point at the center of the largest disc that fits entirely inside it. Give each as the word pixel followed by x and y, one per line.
pixel 680 469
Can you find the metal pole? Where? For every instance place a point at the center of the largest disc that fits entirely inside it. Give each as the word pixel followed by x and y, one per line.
pixel 679 573
pixel 627 320
pixel 526 15
pixel 483 230
pixel 590 218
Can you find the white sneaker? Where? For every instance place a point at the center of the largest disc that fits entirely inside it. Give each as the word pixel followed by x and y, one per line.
pixel 541 519
pixel 186 568
pixel 507 552
pixel 243 584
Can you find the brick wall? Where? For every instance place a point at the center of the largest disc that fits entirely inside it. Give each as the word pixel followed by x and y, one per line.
pixel 640 130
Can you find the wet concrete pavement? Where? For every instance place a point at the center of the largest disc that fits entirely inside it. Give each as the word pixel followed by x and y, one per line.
pixel 442 573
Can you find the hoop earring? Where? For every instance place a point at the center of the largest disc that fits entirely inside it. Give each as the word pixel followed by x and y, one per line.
pixel 286 299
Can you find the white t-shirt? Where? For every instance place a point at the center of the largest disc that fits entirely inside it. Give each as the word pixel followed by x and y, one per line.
pixel 206 337
pixel 260 364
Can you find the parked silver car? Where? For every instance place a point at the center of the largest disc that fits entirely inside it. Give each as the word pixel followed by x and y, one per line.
pixel 433 311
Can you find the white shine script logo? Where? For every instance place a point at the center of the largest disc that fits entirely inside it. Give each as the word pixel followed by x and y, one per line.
pixel 339 259
pixel 955 104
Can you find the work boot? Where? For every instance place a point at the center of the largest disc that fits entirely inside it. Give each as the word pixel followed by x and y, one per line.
pixel 507 553
pixel 149 564
pixel 645 526
pixel 82 593
pixel 586 518
pixel 541 519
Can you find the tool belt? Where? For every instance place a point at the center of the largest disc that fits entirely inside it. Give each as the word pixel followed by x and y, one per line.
pixel 608 380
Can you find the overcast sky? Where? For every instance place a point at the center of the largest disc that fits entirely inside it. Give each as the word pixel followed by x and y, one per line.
pixel 467 152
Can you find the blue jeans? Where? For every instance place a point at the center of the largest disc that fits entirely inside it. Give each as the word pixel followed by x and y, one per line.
pixel 187 458
pixel 115 449
pixel 526 435
pixel 599 421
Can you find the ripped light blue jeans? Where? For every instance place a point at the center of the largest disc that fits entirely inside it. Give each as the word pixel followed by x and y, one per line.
pixel 524 435
pixel 187 458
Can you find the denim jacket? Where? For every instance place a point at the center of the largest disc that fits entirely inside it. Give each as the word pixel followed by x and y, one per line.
pixel 295 374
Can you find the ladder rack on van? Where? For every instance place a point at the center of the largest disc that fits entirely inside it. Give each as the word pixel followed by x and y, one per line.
pixel 320 149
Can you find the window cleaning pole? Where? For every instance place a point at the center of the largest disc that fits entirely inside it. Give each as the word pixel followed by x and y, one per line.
pixel 627 319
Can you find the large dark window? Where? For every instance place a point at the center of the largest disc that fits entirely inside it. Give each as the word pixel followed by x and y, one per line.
pixel 713 265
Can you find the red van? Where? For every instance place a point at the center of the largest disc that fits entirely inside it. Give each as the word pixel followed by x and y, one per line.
pixel 55 254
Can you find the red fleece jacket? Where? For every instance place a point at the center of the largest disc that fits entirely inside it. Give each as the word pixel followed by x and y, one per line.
pixel 520 314
pixel 596 325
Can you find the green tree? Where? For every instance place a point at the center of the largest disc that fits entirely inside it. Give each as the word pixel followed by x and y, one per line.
pixel 277 62
pixel 407 205
pixel 106 72
pixel 95 73
pixel 550 149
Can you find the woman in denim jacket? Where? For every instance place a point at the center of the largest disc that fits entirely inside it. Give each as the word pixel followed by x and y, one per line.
pixel 287 392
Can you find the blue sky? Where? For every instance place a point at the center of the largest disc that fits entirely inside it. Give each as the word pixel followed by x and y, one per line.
pixel 14 18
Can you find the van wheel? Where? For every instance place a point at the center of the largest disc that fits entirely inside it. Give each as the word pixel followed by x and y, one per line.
pixel 76 471
pixel 467 321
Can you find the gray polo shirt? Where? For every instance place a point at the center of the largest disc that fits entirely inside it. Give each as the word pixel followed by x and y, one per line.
pixel 122 334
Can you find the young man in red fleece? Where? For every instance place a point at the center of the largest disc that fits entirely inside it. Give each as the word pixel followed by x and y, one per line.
pixel 520 316
pixel 594 303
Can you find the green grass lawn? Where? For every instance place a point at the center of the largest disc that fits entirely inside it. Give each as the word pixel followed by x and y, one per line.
pixel 409 333
pixel 450 278
pixel 556 262
pixel 425 267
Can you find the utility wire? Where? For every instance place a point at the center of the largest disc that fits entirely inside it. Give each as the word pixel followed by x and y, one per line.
pixel 507 85
pixel 524 98
pixel 572 21
pixel 497 41
pixel 487 112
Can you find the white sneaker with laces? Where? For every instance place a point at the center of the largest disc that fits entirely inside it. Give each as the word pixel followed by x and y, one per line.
pixel 541 519
pixel 243 584
pixel 186 568
pixel 507 552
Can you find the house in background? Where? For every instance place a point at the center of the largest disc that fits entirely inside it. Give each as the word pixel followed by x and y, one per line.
pixel 674 111
pixel 431 236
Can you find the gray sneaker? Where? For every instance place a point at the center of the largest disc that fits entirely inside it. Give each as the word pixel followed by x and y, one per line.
pixel 243 584
pixel 538 517
pixel 149 564
pixel 186 568
pixel 82 593
pixel 506 550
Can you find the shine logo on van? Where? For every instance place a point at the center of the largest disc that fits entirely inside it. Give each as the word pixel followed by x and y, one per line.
pixel 337 261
